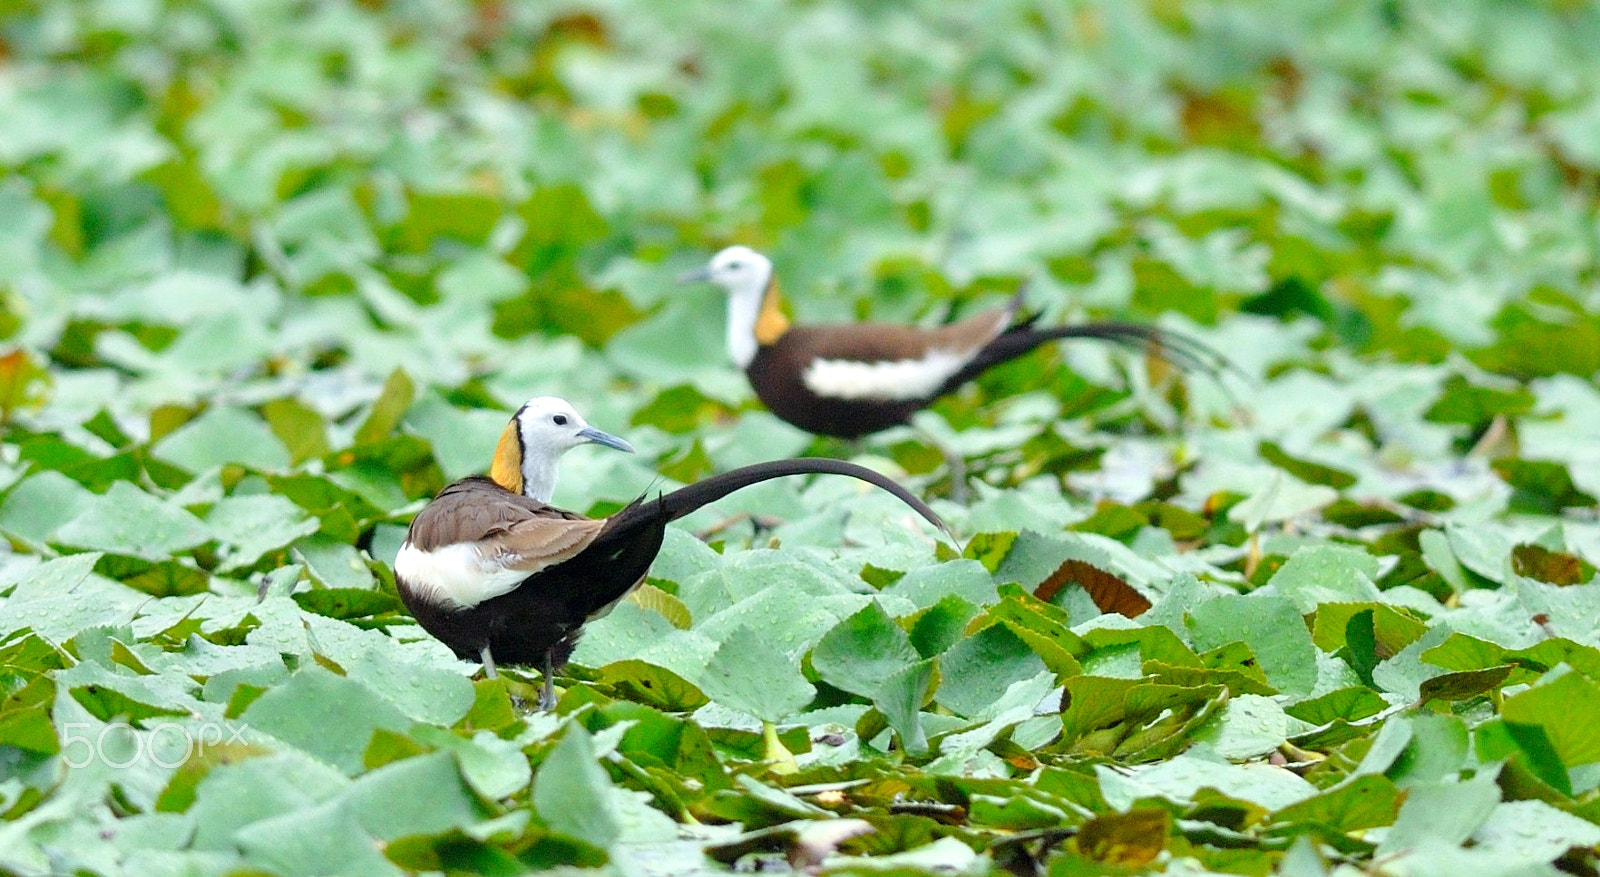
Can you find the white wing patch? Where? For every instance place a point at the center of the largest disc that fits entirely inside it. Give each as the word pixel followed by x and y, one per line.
pixel 896 380
pixel 458 576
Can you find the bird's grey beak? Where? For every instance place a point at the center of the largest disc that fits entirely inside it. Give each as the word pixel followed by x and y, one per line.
pixel 589 433
pixel 698 276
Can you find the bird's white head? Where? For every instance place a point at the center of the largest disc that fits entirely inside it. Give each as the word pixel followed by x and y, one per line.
pixel 754 316
pixel 739 270
pixel 539 433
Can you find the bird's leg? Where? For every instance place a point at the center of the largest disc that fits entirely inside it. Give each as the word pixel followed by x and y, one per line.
pixel 517 703
pixel 957 465
pixel 547 692
pixel 954 463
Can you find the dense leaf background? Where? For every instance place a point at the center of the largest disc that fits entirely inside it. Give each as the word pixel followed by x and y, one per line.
pixel 272 272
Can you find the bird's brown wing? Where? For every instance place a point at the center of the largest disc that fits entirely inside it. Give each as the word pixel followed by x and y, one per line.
pixel 890 342
pixel 476 509
pixel 477 541
pixel 541 541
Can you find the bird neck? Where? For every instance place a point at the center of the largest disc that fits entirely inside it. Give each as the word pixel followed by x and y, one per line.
pixel 539 477
pixel 532 475
pixel 755 319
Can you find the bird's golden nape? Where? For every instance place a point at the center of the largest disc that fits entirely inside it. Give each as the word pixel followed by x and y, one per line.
pixel 503 577
pixel 771 322
pixel 506 468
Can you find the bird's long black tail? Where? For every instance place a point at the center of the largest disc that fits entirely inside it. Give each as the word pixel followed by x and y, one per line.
pixel 685 500
pixel 1179 349
pixel 1175 347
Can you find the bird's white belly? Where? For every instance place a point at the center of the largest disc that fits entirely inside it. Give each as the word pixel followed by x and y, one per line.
pixel 896 381
pixel 457 576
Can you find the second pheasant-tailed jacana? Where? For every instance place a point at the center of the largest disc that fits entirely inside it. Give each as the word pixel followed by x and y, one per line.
pixel 850 380
pixel 496 573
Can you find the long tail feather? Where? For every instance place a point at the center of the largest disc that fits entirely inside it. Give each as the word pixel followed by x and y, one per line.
pixel 685 500
pixel 1179 349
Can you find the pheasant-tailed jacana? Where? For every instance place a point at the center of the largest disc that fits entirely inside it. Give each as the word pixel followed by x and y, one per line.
pixel 849 380
pixel 496 573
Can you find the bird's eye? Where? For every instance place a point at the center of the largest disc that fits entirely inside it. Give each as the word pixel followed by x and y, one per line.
pixel 560 419
pixel 735 265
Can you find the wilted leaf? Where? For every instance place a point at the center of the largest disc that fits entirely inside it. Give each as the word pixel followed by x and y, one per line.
pixel 1463 685
pixel 1555 567
pixel 755 803
pixel 1125 840
pixel 1136 719
pixel 1109 592
pixel 22 382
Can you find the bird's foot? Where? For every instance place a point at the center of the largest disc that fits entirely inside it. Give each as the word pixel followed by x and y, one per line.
pixel 547 691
